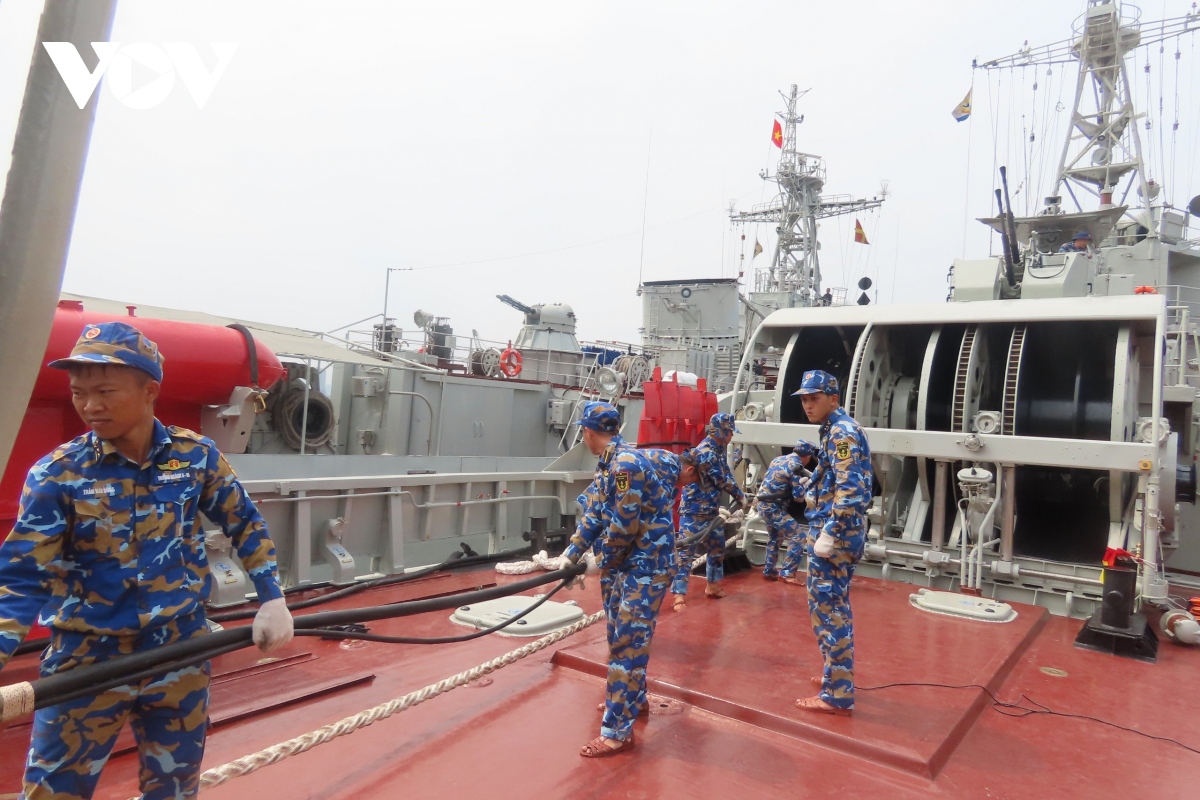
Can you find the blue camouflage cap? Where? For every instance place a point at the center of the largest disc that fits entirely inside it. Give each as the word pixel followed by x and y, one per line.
pixel 816 381
pixel 114 343
pixel 1082 235
pixel 805 449
pixel 722 423
pixel 602 417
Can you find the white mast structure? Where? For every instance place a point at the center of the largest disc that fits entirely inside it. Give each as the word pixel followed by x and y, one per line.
pixel 1102 150
pixel 794 275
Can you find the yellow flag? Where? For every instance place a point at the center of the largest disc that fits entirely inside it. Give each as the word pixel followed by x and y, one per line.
pixel 757 250
pixel 963 109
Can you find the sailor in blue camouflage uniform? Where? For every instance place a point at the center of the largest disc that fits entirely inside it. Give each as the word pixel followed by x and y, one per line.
pixel 108 547
pixel 784 483
pixel 839 495
pixel 698 509
pixel 627 519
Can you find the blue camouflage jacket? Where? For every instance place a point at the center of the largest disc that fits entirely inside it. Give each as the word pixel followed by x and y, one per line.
pixel 839 492
pixel 782 482
pixel 701 499
pixel 102 545
pixel 626 511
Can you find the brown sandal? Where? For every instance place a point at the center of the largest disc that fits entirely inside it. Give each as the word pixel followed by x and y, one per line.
pixel 596 748
pixel 680 604
pixel 819 706
pixel 716 594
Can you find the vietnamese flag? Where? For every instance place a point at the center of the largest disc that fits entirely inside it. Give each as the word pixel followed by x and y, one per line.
pixel 777 135
pixel 860 235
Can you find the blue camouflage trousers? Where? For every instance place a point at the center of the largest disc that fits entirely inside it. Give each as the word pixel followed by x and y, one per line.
pixel 784 533
pixel 832 620
pixel 631 601
pixel 713 545
pixel 71 741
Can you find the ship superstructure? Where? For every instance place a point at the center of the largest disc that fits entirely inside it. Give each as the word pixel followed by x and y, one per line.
pixel 1067 379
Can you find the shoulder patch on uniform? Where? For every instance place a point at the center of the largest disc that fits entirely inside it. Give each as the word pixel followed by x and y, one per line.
pixel 622 480
pixel 842 449
pixel 184 433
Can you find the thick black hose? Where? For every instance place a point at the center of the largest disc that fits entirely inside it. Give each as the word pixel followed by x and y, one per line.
pixel 696 537
pixel 456 561
pixel 466 637
pixel 120 671
pixel 199 658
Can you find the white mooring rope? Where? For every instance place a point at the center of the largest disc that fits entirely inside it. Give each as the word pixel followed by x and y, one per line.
pixel 277 752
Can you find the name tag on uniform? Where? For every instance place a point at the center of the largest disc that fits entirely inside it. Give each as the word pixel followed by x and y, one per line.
pixel 105 490
pixel 181 476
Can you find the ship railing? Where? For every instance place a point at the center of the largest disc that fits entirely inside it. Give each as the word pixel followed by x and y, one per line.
pixel 467 354
pixel 1182 364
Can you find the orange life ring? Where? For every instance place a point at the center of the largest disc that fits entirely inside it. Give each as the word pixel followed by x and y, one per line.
pixel 510 362
pixel 1145 290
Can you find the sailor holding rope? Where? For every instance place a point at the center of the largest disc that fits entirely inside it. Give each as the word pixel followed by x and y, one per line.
pixel 784 483
pixel 627 518
pixel 109 548
pixel 699 508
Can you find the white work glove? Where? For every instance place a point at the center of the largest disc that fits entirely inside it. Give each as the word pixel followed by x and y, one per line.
pixel 272 625
pixel 724 513
pixel 588 558
pixel 824 545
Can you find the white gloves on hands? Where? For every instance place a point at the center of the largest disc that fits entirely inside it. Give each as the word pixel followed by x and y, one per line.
pixel 824 545
pixel 580 582
pixel 272 625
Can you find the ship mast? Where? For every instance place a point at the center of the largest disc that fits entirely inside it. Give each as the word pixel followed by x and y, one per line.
pixel 1102 150
pixel 795 268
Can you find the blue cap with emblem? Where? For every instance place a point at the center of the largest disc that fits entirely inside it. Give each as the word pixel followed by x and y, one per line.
pixel 804 449
pixel 114 343
pixel 817 382
pixel 722 423
pixel 1082 235
pixel 602 417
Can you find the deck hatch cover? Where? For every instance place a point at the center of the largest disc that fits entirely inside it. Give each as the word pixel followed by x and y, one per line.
pixel 550 616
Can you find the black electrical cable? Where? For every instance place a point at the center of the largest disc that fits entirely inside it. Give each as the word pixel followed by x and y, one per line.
pixel 456 561
pixel 696 537
pixel 466 637
pixel 324 633
pixel 1018 711
pixel 120 671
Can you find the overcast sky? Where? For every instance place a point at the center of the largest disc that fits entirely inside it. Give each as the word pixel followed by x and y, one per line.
pixel 346 138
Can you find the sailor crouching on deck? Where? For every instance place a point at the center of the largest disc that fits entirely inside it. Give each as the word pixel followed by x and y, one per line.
pixel 108 546
pixel 628 519
pixel 838 497
pixel 784 483
pixel 699 507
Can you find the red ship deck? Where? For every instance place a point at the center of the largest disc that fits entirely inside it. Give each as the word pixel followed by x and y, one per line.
pixel 724 674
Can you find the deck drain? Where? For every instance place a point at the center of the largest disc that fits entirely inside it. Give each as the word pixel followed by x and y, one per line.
pixel 663 706
pixel 1053 672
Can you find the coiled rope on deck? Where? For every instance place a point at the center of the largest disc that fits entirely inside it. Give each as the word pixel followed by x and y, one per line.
pixel 277 752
